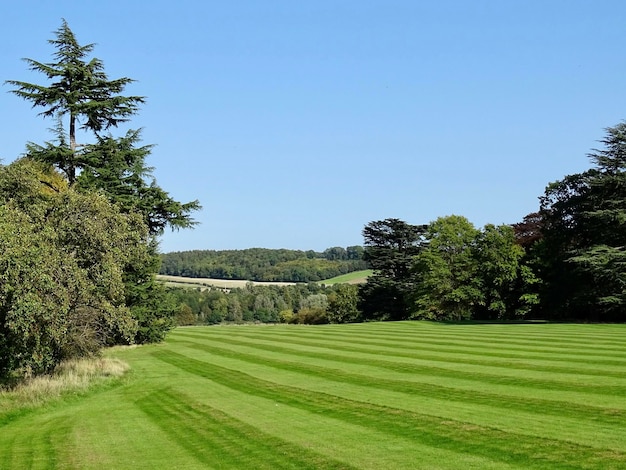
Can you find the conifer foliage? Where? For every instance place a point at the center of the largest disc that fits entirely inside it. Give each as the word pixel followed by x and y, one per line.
pixel 80 91
pixel 82 97
pixel 584 244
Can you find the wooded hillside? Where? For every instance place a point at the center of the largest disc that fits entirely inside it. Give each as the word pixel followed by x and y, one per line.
pixel 261 264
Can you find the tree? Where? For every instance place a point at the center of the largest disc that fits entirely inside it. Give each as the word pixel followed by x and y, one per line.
pixel 33 307
pixel 118 167
pixel 343 304
pixel 446 280
pixel 184 315
pixel 82 92
pixel 335 253
pixel 528 231
pixel 584 226
pixel 464 273
pixel 390 246
pixel 63 255
pixel 355 252
pixel 507 284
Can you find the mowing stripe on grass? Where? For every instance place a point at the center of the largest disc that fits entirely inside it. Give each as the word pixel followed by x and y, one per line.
pixel 38 447
pixel 579 354
pixel 591 413
pixel 542 365
pixel 489 377
pixel 406 395
pixel 531 452
pixel 418 350
pixel 212 436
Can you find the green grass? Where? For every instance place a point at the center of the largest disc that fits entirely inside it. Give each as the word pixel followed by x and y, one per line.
pixel 368 396
pixel 355 277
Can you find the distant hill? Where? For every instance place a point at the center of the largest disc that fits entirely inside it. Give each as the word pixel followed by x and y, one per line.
pixel 263 264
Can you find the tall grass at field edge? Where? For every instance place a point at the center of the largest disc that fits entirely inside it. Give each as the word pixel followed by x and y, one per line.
pixel 71 376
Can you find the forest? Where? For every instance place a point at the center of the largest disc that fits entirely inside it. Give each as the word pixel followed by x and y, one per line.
pixel 81 215
pixel 260 264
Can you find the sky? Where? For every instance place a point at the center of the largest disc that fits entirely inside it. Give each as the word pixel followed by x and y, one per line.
pixel 296 123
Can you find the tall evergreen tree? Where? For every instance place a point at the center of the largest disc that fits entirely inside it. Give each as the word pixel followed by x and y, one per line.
pixel 118 167
pixel 390 246
pixel 81 92
pixel 82 96
pixel 584 245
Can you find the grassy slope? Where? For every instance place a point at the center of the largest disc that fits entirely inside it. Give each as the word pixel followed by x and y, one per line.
pixel 395 395
pixel 356 277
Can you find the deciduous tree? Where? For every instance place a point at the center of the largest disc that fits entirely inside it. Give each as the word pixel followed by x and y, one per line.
pixel 446 283
pixel 63 255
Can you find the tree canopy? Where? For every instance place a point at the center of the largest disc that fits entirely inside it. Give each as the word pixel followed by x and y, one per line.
pixel 62 257
pixel 390 246
pixel 82 97
pixel 80 91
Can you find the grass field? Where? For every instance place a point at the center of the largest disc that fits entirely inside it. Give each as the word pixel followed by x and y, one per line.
pixel 368 396
pixel 356 277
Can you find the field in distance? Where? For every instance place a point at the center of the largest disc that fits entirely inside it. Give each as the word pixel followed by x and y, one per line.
pixel 406 395
pixel 180 281
pixel 356 277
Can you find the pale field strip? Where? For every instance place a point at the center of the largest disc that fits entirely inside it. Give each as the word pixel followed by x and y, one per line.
pixel 219 283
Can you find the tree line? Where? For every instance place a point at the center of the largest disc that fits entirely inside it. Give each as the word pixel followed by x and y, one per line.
pixel 261 264
pixel 79 222
pixel 565 262
pixel 309 303
pixel 446 270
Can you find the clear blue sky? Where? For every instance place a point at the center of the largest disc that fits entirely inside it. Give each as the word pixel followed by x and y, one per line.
pixel 295 123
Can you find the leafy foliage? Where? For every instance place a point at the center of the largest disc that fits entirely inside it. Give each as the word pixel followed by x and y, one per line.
pixel 63 255
pixel 78 248
pixel 300 303
pixel 447 270
pixel 447 286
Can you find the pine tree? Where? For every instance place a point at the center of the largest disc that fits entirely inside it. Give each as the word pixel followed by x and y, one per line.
pixel 82 96
pixel 81 92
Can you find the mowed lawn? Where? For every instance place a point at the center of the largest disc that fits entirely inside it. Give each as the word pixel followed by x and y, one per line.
pixel 366 396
